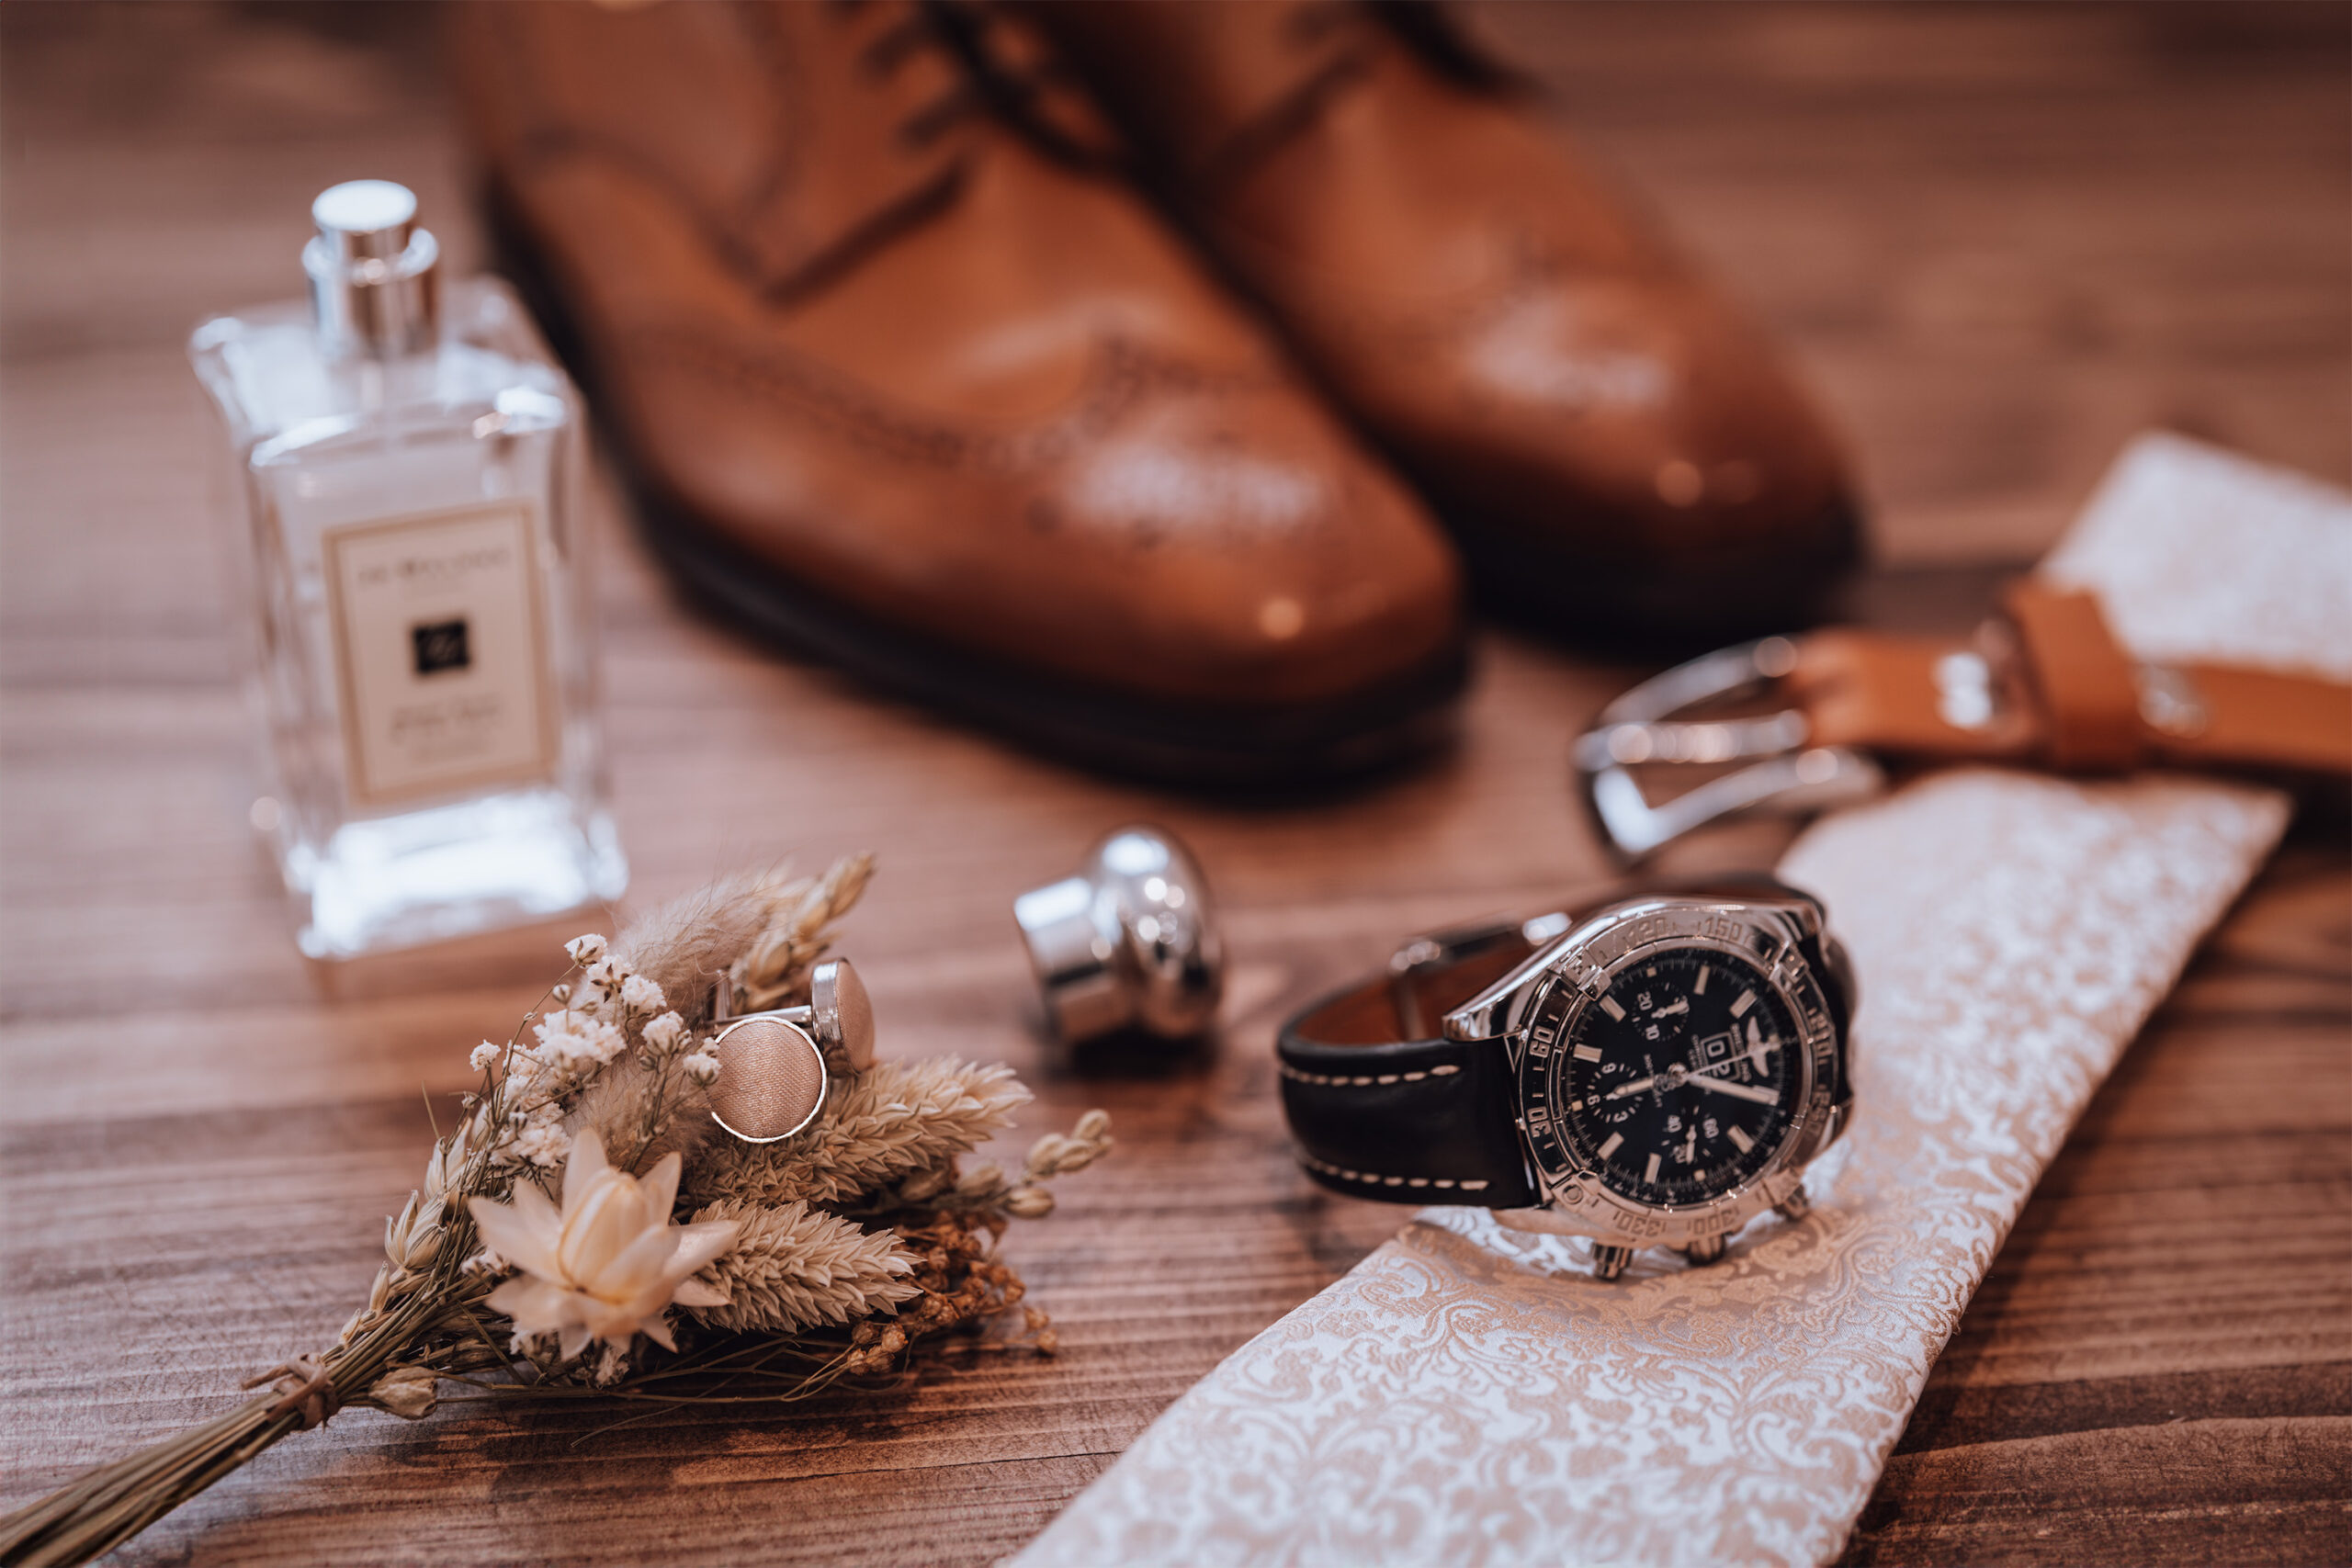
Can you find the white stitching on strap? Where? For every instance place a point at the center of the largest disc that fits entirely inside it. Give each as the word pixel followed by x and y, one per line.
pixel 1370 1178
pixel 1366 1080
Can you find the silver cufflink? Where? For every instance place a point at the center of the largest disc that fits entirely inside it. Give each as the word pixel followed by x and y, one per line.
pixel 1129 942
pixel 772 1065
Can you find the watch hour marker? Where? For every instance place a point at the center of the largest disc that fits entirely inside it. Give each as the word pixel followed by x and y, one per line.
pixel 1616 1141
pixel 1608 1005
pixel 1743 1140
pixel 1650 1173
pixel 1586 1053
pixel 1701 986
pixel 1747 999
pixel 1575 1105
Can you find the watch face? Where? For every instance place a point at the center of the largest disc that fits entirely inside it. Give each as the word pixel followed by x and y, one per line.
pixel 1677 1083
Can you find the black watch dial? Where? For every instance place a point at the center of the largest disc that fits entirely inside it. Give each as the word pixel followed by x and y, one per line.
pixel 1680 1081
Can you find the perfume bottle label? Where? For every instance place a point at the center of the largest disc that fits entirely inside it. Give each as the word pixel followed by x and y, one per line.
pixel 441 653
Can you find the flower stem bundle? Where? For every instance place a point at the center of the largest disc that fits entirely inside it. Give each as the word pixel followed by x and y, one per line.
pixel 582 1232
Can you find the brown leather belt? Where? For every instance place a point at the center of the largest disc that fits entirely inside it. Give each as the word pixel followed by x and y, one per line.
pixel 2045 684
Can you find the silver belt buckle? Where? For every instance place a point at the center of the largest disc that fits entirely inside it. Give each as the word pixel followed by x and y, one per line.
pixel 1641 727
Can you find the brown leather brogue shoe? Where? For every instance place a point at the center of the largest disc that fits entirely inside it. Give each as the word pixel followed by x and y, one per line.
pixel 1611 442
pixel 894 382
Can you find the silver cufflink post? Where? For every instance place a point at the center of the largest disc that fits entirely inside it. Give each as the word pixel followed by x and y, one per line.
pixel 1128 941
pixel 772 1065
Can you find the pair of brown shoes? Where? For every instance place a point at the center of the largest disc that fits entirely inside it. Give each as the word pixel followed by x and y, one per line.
pixel 903 367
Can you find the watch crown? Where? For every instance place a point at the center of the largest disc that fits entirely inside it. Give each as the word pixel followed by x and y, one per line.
pixel 1608 1262
pixel 1705 1249
pixel 1795 1206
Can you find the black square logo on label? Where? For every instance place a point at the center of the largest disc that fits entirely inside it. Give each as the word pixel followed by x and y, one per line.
pixel 440 645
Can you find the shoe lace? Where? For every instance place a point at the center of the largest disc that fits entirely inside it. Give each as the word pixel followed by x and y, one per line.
pixel 889 43
pixel 1337 40
pixel 900 32
pixel 985 75
pixel 1017 75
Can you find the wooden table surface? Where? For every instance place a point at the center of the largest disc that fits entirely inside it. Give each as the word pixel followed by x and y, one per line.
pixel 1999 240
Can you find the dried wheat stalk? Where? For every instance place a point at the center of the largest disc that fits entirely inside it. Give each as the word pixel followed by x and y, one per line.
pixel 793 1268
pixel 894 1119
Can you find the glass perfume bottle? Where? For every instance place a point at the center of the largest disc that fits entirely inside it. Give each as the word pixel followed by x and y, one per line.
pixel 410 462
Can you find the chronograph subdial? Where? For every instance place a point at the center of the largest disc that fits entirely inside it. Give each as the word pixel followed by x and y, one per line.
pixel 1681 1079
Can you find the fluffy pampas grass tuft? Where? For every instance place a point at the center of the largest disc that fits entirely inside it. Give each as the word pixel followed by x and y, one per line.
pixel 686 943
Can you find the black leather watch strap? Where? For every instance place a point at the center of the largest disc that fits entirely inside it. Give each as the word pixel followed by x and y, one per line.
pixel 1423 1120
pixel 1384 1106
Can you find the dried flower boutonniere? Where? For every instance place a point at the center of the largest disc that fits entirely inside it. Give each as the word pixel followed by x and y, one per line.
pixel 587 1232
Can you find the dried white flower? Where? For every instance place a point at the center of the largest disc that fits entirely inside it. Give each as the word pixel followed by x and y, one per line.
pixel 664 1033
pixel 585 950
pixel 608 1264
pixel 603 975
pixel 544 1145
pixel 484 1055
pixel 642 995
pixel 574 1038
pixel 703 1067
pixel 531 1084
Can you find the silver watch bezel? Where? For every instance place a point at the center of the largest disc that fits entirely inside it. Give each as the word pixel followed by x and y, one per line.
pixel 1580 964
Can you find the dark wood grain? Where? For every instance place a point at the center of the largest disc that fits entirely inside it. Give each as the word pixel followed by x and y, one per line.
pixel 1999 238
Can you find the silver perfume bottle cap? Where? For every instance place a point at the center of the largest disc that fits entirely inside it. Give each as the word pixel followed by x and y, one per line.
pixel 1130 940
pixel 375 280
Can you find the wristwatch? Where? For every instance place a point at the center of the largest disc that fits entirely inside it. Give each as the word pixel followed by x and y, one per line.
pixel 1652 1071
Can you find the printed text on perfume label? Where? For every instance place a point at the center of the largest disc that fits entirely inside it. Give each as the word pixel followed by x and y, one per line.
pixel 440 652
